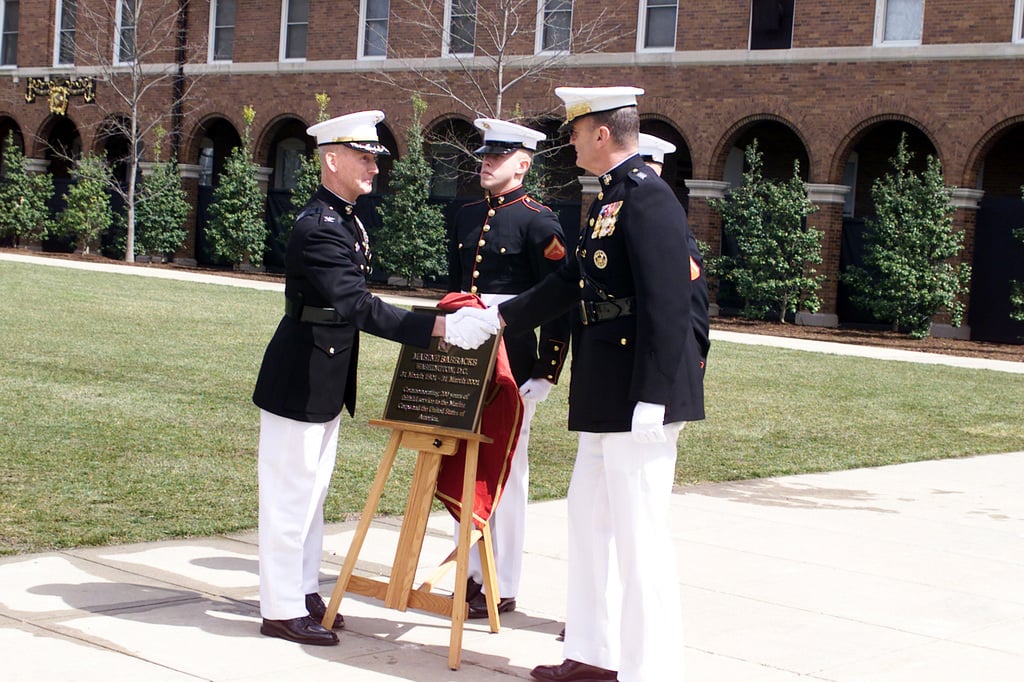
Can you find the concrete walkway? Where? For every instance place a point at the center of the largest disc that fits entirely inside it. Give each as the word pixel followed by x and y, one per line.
pixel 893 574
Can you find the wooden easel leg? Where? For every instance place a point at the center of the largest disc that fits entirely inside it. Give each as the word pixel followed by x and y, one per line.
pixel 414 525
pixel 459 608
pixel 490 577
pixel 372 500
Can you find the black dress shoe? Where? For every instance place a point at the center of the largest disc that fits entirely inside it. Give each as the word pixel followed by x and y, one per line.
pixel 473 589
pixel 573 671
pixel 478 607
pixel 317 608
pixel 303 630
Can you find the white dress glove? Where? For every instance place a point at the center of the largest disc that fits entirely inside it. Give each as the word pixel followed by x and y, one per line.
pixel 648 423
pixel 489 316
pixel 535 389
pixel 468 331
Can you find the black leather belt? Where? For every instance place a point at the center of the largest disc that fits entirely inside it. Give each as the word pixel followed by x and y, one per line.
pixel 592 312
pixel 307 313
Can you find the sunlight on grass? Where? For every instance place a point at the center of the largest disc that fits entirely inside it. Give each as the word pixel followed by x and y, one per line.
pixel 126 413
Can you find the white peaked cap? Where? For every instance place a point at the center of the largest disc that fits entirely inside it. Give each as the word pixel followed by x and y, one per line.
pixel 358 131
pixel 504 137
pixel 582 101
pixel 654 148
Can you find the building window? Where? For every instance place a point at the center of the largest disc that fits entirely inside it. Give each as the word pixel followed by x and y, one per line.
pixel 374 36
pixel 1018 21
pixel 206 162
pixel 555 26
pixel 127 19
pixel 290 153
pixel 461 26
pixel 657 29
pixel 9 43
pixel 899 22
pixel 64 49
pixel 444 162
pixel 295 19
pixel 771 24
pixel 222 30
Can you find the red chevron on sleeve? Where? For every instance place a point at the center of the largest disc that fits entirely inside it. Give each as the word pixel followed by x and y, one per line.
pixel 555 250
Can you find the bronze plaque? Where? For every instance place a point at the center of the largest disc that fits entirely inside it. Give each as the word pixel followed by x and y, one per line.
pixel 442 385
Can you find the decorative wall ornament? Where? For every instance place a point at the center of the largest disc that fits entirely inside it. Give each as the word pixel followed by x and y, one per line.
pixel 60 91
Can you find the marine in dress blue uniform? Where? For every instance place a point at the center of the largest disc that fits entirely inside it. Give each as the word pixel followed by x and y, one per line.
pixel 308 374
pixel 498 247
pixel 637 378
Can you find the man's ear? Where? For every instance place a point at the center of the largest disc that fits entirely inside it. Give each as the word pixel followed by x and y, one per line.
pixel 330 160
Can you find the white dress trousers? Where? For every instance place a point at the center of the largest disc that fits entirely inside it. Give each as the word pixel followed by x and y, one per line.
pixel 623 609
pixel 508 520
pixel 296 460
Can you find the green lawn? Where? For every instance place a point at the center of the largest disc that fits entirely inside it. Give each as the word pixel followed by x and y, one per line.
pixel 125 412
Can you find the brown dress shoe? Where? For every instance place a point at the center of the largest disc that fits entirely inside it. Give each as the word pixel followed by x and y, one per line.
pixel 573 671
pixel 303 630
pixel 317 608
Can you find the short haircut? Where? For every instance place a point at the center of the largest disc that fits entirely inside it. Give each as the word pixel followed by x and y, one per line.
pixel 623 123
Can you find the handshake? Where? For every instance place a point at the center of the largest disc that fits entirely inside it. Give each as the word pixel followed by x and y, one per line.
pixel 469 328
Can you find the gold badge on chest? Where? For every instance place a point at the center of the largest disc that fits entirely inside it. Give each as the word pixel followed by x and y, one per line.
pixel 604 225
pixel 600 259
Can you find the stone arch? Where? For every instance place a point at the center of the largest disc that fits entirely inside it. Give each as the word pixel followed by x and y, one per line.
pixel 279 146
pixel 209 145
pixel 779 152
pixel 449 143
pixel 1010 129
pixel 678 166
pixel 857 133
pixel 59 140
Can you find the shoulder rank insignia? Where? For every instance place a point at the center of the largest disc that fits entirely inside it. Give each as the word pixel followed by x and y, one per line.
pixel 604 226
pixel 328 218
pixel 555 250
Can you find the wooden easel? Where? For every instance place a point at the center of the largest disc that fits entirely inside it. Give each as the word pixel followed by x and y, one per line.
pixel 433 443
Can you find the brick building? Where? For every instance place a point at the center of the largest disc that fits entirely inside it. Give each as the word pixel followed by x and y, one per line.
pixel 832 84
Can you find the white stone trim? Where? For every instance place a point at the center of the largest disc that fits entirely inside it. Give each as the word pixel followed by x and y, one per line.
pixel 706 189
pixel 820 193
pixel 966 198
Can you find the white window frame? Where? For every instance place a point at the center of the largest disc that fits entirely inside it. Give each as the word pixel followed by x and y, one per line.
pixel 542 14
pixel 285 6
pixel 57 34
pixel 3 35
pixel 119 32
pixel 641 30
pixel 1018 21
pixel 447 50
pixel 361 42
pixel 212 51
pixel 881 7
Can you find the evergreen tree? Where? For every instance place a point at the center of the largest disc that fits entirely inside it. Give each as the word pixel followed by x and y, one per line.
pixel 237 228
pixel 773 268
pixel 23 197
pixel 88 214
pixel 908 274
pixel 161 207
pixel 411 242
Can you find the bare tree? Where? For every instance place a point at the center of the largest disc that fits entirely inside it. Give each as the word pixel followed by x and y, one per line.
pixel 488 46
pixel 137 50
